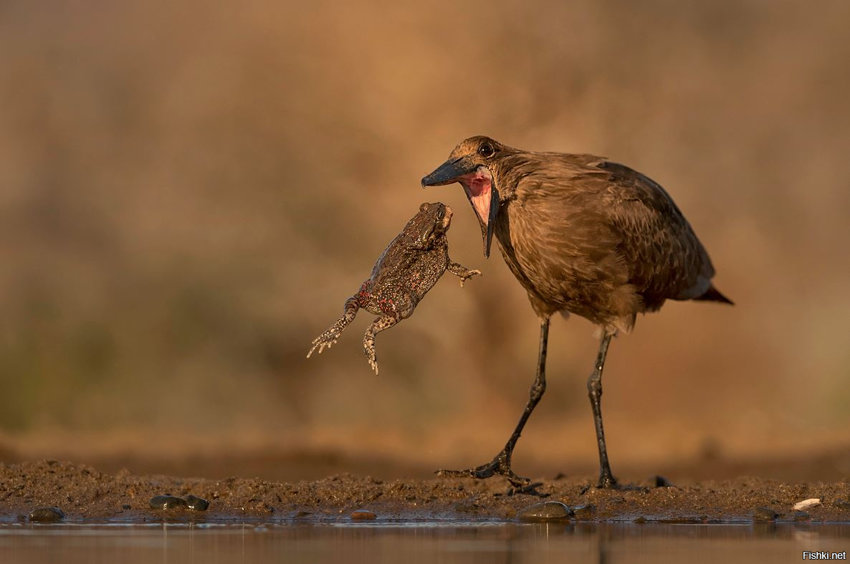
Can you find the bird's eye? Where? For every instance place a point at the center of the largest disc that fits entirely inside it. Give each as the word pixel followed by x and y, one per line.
pixel 486 150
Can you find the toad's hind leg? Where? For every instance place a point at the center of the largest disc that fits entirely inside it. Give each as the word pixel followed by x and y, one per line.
pixel 403 309
pixel 380 324
pixel 329 337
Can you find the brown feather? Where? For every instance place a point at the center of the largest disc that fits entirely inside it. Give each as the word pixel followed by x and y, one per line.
pixel 583 235
pixel 588 236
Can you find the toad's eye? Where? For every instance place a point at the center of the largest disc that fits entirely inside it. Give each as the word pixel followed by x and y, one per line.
pixel 486 150
pixel 441 213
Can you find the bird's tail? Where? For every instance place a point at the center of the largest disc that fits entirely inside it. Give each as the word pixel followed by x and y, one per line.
pixel 713 295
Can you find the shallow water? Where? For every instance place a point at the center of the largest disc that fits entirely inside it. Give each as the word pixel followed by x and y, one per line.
pixel 412 543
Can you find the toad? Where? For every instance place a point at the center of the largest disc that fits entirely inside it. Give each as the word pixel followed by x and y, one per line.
pixel 408 268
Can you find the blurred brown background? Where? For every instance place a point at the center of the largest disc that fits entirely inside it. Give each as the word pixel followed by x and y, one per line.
pixel 189 191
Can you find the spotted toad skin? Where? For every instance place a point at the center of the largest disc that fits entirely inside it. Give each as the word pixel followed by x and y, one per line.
pixel 408 268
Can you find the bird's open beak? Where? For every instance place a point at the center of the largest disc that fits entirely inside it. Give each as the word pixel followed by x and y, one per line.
pixel 480 189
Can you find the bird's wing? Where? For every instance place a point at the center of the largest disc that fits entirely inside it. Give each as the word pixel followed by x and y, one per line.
pixel 665 258
pixel 563 248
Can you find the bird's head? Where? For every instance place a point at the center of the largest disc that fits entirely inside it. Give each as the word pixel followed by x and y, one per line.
pixel 473 164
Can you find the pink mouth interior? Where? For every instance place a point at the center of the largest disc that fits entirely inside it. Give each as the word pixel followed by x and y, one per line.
pixel 477 185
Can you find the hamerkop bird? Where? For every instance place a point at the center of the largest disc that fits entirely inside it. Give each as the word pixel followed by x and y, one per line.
pixel 583 235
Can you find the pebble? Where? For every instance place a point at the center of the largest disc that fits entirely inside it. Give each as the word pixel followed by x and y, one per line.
pixel 584 512
pixel 167 502
pixel 196 503
pixel 662 482
pixel 764 515
pixel 806 503
pixel 801 516
pixel 546 511
pixel 363 515
pixel 46 515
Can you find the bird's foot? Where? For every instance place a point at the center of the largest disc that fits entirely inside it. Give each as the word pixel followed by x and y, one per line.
pixel 613 484
pixel 500 465
pixel 607 481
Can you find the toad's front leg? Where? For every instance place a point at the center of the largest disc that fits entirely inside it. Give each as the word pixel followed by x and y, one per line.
pixel 462 272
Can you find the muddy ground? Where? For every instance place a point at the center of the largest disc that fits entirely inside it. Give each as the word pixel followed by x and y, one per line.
pixel 85 494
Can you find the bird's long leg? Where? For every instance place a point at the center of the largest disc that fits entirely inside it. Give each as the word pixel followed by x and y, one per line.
pixel 594 391
pixel 501 464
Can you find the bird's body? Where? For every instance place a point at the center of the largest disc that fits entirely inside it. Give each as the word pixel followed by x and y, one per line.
pixel 584 236
pixel 594 238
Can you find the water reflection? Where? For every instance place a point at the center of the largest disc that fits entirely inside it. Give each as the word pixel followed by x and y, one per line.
pixel 412 543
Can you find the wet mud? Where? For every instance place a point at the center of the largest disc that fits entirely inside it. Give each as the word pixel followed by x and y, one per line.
pixel 83 494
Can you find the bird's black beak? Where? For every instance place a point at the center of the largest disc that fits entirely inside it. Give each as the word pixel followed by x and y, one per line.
pixel 448 172
pixel 479 187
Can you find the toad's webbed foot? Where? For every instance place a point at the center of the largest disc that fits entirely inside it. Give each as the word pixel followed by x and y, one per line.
pixel 330 336
pixel 369 350
pixel 326 340
pixel 462 272
pixel 469 274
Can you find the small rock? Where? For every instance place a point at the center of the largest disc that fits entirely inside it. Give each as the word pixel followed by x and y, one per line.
pixel 764 515
pixel 662 482
pixel 46 515
pixel 546 511
pixel 196 503
pixel 806 503
pixel 167 502
pixel 363 515
pixel 584 512
pixel 801 516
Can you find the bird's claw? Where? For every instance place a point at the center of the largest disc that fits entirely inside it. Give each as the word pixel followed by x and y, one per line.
pixel 498 465
pixel 607 482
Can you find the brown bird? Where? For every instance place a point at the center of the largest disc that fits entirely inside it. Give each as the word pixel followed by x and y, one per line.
pixel 583 235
